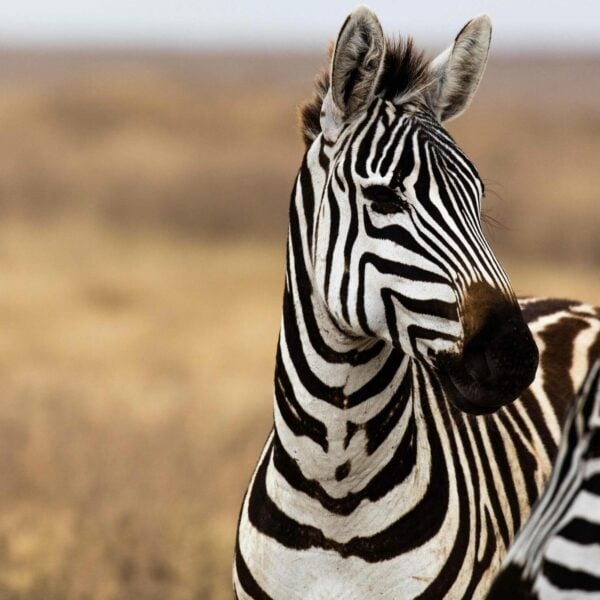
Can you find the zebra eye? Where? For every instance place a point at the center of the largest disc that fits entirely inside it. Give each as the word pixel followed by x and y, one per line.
pixel 384 200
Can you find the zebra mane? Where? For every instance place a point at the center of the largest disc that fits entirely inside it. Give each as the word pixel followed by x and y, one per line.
pixel 405 72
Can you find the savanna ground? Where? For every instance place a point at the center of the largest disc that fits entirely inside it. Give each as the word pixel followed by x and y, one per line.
pixel 143 204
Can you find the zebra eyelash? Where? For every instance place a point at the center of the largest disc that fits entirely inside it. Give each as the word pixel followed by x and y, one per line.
pixel 384 200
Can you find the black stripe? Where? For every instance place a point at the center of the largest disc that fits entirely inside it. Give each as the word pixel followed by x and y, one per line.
pixel 543 307
pixel 416 332
pixel 406 163
pixel 556 359
pixel 400 236
pixel 334 229
pixel 381 425
pixel 527 461
pixel 351 235
pixel 388 129
pixel 248 583
pixel 380 380
pixel 296 418
pixel 506 472
pixel 566 579
pixel 386 161
pixel 592 485
pixel 500 520
pixel 432 306
pixel 308 198
pixel 363 152
pixel 532 407
pixel 511 584
pixel 580 531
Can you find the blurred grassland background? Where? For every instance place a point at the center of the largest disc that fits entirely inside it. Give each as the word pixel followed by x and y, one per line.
pixel 143 213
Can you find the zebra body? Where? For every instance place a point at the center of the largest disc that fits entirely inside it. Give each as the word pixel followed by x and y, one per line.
pixel 399 326
pixel 557 553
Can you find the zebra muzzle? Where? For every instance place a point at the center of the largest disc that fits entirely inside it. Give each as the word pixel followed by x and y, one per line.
pixel 495 367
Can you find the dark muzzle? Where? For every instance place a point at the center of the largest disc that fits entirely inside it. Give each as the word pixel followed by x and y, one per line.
pixel 497 364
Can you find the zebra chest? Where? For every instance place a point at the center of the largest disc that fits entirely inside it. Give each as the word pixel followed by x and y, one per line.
pixel 419 517
pixel 299 548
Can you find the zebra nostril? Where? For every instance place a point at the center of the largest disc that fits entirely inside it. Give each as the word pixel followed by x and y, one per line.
pixel 477 366
pixel 476 353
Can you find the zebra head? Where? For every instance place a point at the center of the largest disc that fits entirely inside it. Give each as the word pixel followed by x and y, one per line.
pixel 396 243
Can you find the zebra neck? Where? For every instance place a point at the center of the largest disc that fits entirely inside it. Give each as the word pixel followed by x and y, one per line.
pixel 347 410
pixel 344 409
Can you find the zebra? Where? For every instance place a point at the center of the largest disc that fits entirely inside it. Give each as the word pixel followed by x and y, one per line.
pixel 399 464
pixel 557 552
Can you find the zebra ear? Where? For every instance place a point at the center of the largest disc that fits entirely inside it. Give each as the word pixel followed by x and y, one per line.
pixel 458 70
pixel 355 66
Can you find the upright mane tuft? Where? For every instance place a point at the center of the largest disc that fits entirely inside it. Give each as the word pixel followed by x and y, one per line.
pixel 405 72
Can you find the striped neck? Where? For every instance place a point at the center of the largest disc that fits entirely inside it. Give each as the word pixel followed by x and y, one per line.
pixel 356 428
pixel 344 406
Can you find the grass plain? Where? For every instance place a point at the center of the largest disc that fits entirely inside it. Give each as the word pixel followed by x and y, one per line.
pixel 143 204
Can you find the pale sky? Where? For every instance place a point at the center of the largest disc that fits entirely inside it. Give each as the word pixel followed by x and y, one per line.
pixel 543 25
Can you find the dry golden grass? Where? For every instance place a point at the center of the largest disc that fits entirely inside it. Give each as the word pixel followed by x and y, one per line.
pixel 136 376
pixel 136 391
